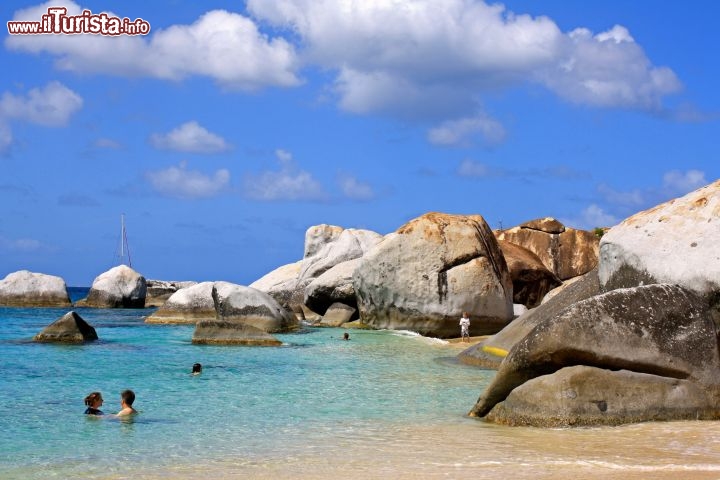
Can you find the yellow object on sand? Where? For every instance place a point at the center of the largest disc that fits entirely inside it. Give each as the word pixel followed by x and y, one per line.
pixel 498 352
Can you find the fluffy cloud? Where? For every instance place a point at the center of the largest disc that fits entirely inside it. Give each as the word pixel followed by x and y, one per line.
pixel 5 137
pixel 471 168
pixel 460 132
pixel 224 46
pixel 14 245
pixel 607 70
pixel 354 189
pixel 190 137
pixel 404 55
pixel 179 182
pixel 288 183
pixel 592 216
pixel 51 106
pixel 107 143
pixel 679 183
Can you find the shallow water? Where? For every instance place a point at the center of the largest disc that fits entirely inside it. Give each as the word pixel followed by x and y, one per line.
pixel 382 405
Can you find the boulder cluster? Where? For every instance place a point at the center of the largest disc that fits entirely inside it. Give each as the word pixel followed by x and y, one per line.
pixel 634 340
pixel 582 330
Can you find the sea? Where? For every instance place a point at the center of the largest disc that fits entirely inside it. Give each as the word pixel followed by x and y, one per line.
pixel 383 405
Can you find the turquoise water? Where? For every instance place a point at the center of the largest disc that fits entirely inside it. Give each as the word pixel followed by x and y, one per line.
pixel 382 405
pixel 315 392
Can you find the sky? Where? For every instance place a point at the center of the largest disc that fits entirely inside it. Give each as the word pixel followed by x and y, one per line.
pixel 232 127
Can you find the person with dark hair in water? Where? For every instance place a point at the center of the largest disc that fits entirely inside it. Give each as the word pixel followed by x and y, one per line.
pixel 94 401
pixel 127 397
pixel 196 369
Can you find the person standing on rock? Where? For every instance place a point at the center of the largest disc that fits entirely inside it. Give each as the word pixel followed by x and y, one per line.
pixel 465 326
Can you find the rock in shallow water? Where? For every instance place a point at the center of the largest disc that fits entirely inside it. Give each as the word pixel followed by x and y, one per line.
pixel 119 287
pixel 70 328
pixel 29 289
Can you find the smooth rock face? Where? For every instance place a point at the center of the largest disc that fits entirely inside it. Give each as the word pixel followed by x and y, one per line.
pixel 338 314
pixel 530 278
pixel 659 330
pixel 675 242
pixel 424 276
pixel 317 236
pixel 70 328
pixel 350 244
pixel 158 291
pixel 236 303
pixel 28 289
pixel 245 316
pixel 335 285
pixel 584 396
pixel 489 353
pixel 325 247
pixel 218 332
pixel 119 287
pixel 566 252
pixel 187 305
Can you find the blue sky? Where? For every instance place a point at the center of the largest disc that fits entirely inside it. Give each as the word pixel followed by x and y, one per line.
pixel 234 126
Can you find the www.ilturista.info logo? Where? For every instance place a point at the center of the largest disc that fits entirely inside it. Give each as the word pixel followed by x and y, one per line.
pixel 57 21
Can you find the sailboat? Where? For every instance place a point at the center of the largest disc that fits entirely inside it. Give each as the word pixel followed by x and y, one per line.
pixel 124 250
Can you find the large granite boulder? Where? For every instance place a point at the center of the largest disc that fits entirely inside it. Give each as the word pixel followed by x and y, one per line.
pixel 675 242
pixel 158 291
pixel 583 396
pixel 282 285
pixel 490 352
pixel 325 247
pixel 317 236
pixel 530 278
pixel 338 314
pixel 119 287
pixel 424 276
pixel 566 252
pixel 245 316
pixel 187 305
pixel 335 285
pixel 660 334
pixel 350 244
pixel 29 289
pixel 70 328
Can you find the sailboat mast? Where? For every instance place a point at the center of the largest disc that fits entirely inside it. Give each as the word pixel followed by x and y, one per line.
pixel 124 242
pixel 122 237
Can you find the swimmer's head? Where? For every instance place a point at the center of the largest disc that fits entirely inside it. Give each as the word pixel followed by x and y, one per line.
pixel 196 368
pixel 95 398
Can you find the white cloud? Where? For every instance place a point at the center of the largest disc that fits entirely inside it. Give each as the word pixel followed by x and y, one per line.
pixel 20 244
pixel 288 183
pixel 6 137
pixel 51 106
pixel 190 137
pixel 354 189
pixel 421 57
pixel 107 143
pixel 224 46
pixel 676 182
pixel 182 183
pixel 633 198
pixel 460 132
pixel 284 156
pixel 469 168
pixel 607 70
pixel 593 216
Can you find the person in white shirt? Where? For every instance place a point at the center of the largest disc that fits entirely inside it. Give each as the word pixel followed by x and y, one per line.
pixel 465 326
